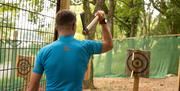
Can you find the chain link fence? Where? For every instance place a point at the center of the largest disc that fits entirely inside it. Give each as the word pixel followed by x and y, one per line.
pixel 25 27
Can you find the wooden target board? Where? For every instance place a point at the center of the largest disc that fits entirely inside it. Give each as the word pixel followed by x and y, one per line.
pixel 24 65
pixel 138 62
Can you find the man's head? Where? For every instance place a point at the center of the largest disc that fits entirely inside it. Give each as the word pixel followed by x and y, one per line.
pixel 66 22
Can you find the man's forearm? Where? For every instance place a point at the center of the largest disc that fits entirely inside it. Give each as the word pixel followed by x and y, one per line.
pixel 33 87
pixel 106 37
pixel 34 82
pixel 106 34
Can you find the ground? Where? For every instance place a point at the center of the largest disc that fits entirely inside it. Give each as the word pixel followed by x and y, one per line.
pixel 126 84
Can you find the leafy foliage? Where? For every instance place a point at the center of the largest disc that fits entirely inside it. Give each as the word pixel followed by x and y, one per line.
pixel 127 15
pixel 166 22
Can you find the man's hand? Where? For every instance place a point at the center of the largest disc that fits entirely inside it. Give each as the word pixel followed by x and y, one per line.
pixel 101 15
pixel 107 37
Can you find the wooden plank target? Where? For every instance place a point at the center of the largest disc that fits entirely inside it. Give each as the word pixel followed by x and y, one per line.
pixel 24 64
pixel 138 62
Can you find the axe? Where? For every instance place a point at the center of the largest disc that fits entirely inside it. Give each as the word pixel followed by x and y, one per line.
pixel 93 22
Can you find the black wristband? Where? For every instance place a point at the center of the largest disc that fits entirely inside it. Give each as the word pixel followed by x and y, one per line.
pixel 103 21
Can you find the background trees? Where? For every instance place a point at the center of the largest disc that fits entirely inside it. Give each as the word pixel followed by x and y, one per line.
pixel 133 18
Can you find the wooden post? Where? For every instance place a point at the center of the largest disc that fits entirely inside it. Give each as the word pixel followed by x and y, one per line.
pixel 61 4
pixel 136 83
pixel 88 71
pixel 64 4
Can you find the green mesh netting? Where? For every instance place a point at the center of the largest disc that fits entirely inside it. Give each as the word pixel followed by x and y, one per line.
pixel 165 53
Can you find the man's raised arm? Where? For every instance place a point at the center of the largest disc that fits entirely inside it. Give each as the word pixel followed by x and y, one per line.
pixel 106 34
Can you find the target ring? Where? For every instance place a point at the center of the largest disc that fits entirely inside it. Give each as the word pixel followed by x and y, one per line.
pixel 139 64
pixel 24 67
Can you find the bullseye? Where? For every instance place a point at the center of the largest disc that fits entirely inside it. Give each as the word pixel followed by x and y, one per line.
pixel 137 63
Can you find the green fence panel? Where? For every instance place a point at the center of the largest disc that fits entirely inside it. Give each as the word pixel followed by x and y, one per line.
pixel 165 51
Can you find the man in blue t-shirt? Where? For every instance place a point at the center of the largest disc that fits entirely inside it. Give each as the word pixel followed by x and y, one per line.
pixel 64 61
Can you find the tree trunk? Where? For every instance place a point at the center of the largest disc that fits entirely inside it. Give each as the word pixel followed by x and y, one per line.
pixel 65 4
pixel 88 81
pixel 134 20
pixel 61 4
pixel 133 26
pixel 111 15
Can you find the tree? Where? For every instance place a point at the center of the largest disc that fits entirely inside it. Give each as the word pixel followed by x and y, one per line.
pixel 169 14
pixel 88 83
pixel 127 16
pixel 99 5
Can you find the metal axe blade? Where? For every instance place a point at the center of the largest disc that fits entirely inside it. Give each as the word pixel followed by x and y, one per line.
pixel 85 30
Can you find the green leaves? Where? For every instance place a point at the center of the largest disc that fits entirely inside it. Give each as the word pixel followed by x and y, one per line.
pixel 127 14
pixel 6 7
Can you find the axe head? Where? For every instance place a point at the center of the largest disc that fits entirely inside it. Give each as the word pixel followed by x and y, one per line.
pixel 85 30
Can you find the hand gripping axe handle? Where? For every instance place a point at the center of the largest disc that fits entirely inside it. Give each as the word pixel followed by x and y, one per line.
pixel 93 22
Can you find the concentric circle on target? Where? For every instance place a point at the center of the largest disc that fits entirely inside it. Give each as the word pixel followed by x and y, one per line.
pixel 24 67
pixel 138 64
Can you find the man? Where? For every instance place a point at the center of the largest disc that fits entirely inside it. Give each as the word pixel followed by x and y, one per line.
pixel 65 61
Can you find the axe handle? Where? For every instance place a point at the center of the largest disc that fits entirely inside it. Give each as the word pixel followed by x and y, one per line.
pixel 93 22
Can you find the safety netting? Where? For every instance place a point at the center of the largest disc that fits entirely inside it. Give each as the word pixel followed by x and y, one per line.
pixel 164 59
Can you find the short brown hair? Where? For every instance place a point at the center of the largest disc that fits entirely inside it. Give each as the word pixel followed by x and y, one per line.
pixel 65 18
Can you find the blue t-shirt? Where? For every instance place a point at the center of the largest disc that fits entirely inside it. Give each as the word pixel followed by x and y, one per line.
pixel 65 62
